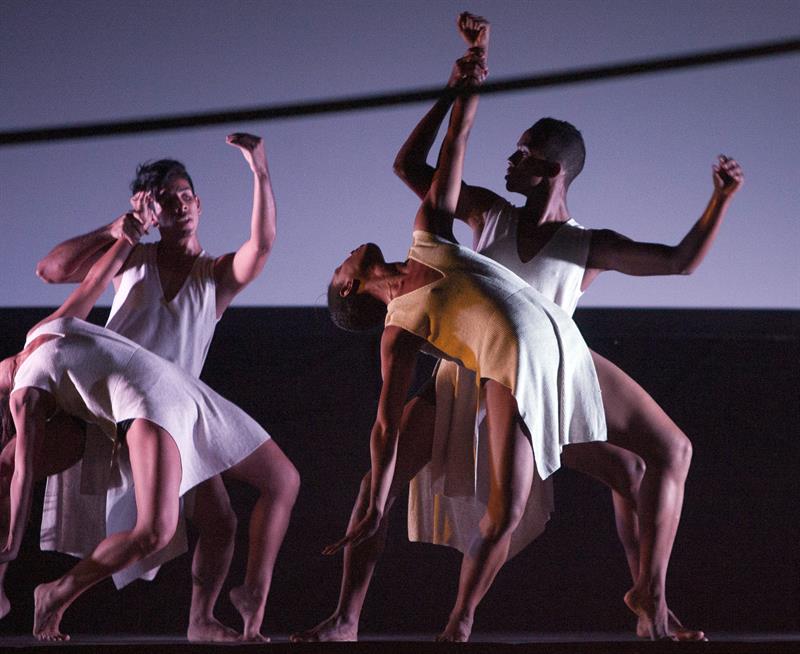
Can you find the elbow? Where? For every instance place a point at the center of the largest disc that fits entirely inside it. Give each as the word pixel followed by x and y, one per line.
pixel 48 274
pixel 401 167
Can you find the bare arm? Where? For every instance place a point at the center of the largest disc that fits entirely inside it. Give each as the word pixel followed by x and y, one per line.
pixel 235 270
pixel 612 251
pixel 440 204
pixel 68 262
pixel 398 357
pixel 411 163
pixel 81 301
pixel 29 408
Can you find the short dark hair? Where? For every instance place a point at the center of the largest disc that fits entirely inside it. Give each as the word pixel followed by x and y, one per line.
pixel 153 175
pixel 356 312
pixel 560 141
pixel 7 427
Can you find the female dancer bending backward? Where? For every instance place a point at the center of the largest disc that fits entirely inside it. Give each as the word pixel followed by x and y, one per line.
pixel 536 370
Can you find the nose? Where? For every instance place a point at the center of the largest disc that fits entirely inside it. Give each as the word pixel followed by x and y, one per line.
pixel 515 158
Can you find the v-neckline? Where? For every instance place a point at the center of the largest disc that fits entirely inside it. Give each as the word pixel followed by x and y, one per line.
pixel 541 248
pixel 183 283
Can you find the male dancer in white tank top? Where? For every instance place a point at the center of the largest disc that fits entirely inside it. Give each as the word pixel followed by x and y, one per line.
pixel 169 297
pixel 541 243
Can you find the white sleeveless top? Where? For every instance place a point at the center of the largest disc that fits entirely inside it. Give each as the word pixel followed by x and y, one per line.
pixel 556 271
pixel 180 330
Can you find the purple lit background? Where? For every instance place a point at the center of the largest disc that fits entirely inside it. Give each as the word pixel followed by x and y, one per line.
pixel 651 140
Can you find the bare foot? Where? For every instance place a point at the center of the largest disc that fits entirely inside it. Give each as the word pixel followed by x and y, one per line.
pixel 674 625
pixel 251 607
pixel 210 630
pixel 46 614
pixel 458 630
pixel 334 629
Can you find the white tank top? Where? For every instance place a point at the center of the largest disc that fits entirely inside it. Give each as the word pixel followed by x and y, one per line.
pixel 556 271
pixel 180 330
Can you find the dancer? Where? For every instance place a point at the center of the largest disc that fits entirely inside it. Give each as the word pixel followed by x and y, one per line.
pixel 169 298
pixel 543 245
pixel 535 370
pixel 178 431
pixel 557 271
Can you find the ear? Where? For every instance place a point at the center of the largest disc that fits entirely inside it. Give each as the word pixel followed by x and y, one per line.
pixel 199 206
pixel 553 169
pixel 349 287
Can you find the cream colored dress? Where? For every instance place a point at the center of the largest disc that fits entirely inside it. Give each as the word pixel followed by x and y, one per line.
pixel 95 497
pixel 103 378
pixel 488 320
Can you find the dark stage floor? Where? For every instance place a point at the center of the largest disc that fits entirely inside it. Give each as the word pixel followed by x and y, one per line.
pixel 490 643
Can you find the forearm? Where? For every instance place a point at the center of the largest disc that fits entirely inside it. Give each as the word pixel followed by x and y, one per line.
pixel 263 221
pixel 411 164
pixel 30 427
pixel 692 249
pixel 447 180
pixel 69 261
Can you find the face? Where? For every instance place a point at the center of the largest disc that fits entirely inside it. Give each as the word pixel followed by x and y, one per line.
pixel 527 167
pixel 180 207
pixel 356 266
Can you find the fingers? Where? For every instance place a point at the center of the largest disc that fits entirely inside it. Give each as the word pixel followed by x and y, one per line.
pixel 474 29
pixel 330 550
pixel 243 140
pixel 728 174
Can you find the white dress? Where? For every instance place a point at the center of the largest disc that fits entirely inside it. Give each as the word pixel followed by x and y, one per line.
pixel 448 497
pixel 99 488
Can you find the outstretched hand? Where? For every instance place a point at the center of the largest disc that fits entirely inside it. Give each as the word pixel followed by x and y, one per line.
pixel 728 175
pixel 252 147
pixel 366 528
pixel 474 30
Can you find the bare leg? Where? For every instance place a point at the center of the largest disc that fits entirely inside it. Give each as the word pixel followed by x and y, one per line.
pixel 60 449
pixel 511 464
pixel 156 467
pixel 414 451
pixel 215 521
pixel 637 423
pixel 269 471
pixel 622 471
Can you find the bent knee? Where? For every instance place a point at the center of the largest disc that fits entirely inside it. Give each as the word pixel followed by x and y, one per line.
pixel 149 540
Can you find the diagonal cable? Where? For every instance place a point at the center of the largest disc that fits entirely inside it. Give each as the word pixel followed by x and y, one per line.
pixel 354 103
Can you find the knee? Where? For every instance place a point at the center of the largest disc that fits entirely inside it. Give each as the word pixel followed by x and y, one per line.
pixel 679 454
pixel 287 487
pixel 151 539
pixel 501 522
pixel 634 473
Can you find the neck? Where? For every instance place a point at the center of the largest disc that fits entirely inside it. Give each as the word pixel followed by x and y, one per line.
pixel 386 281
pixel 547 204
pixel 188 245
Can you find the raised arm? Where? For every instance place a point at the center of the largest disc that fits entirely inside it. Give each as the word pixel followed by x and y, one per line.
pixel 233 271
pixel 29 409
pixel 71 260
pixel 411 163
pixel 612 251
pixel 81 301
pixel 398 358
pixel 441 201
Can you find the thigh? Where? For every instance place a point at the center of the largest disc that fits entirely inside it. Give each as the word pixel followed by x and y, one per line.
pixel 415 443
pixel 616 467
pixel 635 421
pixel 267 468
pixel 510 455
pixel 156 469
pixel 211 504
